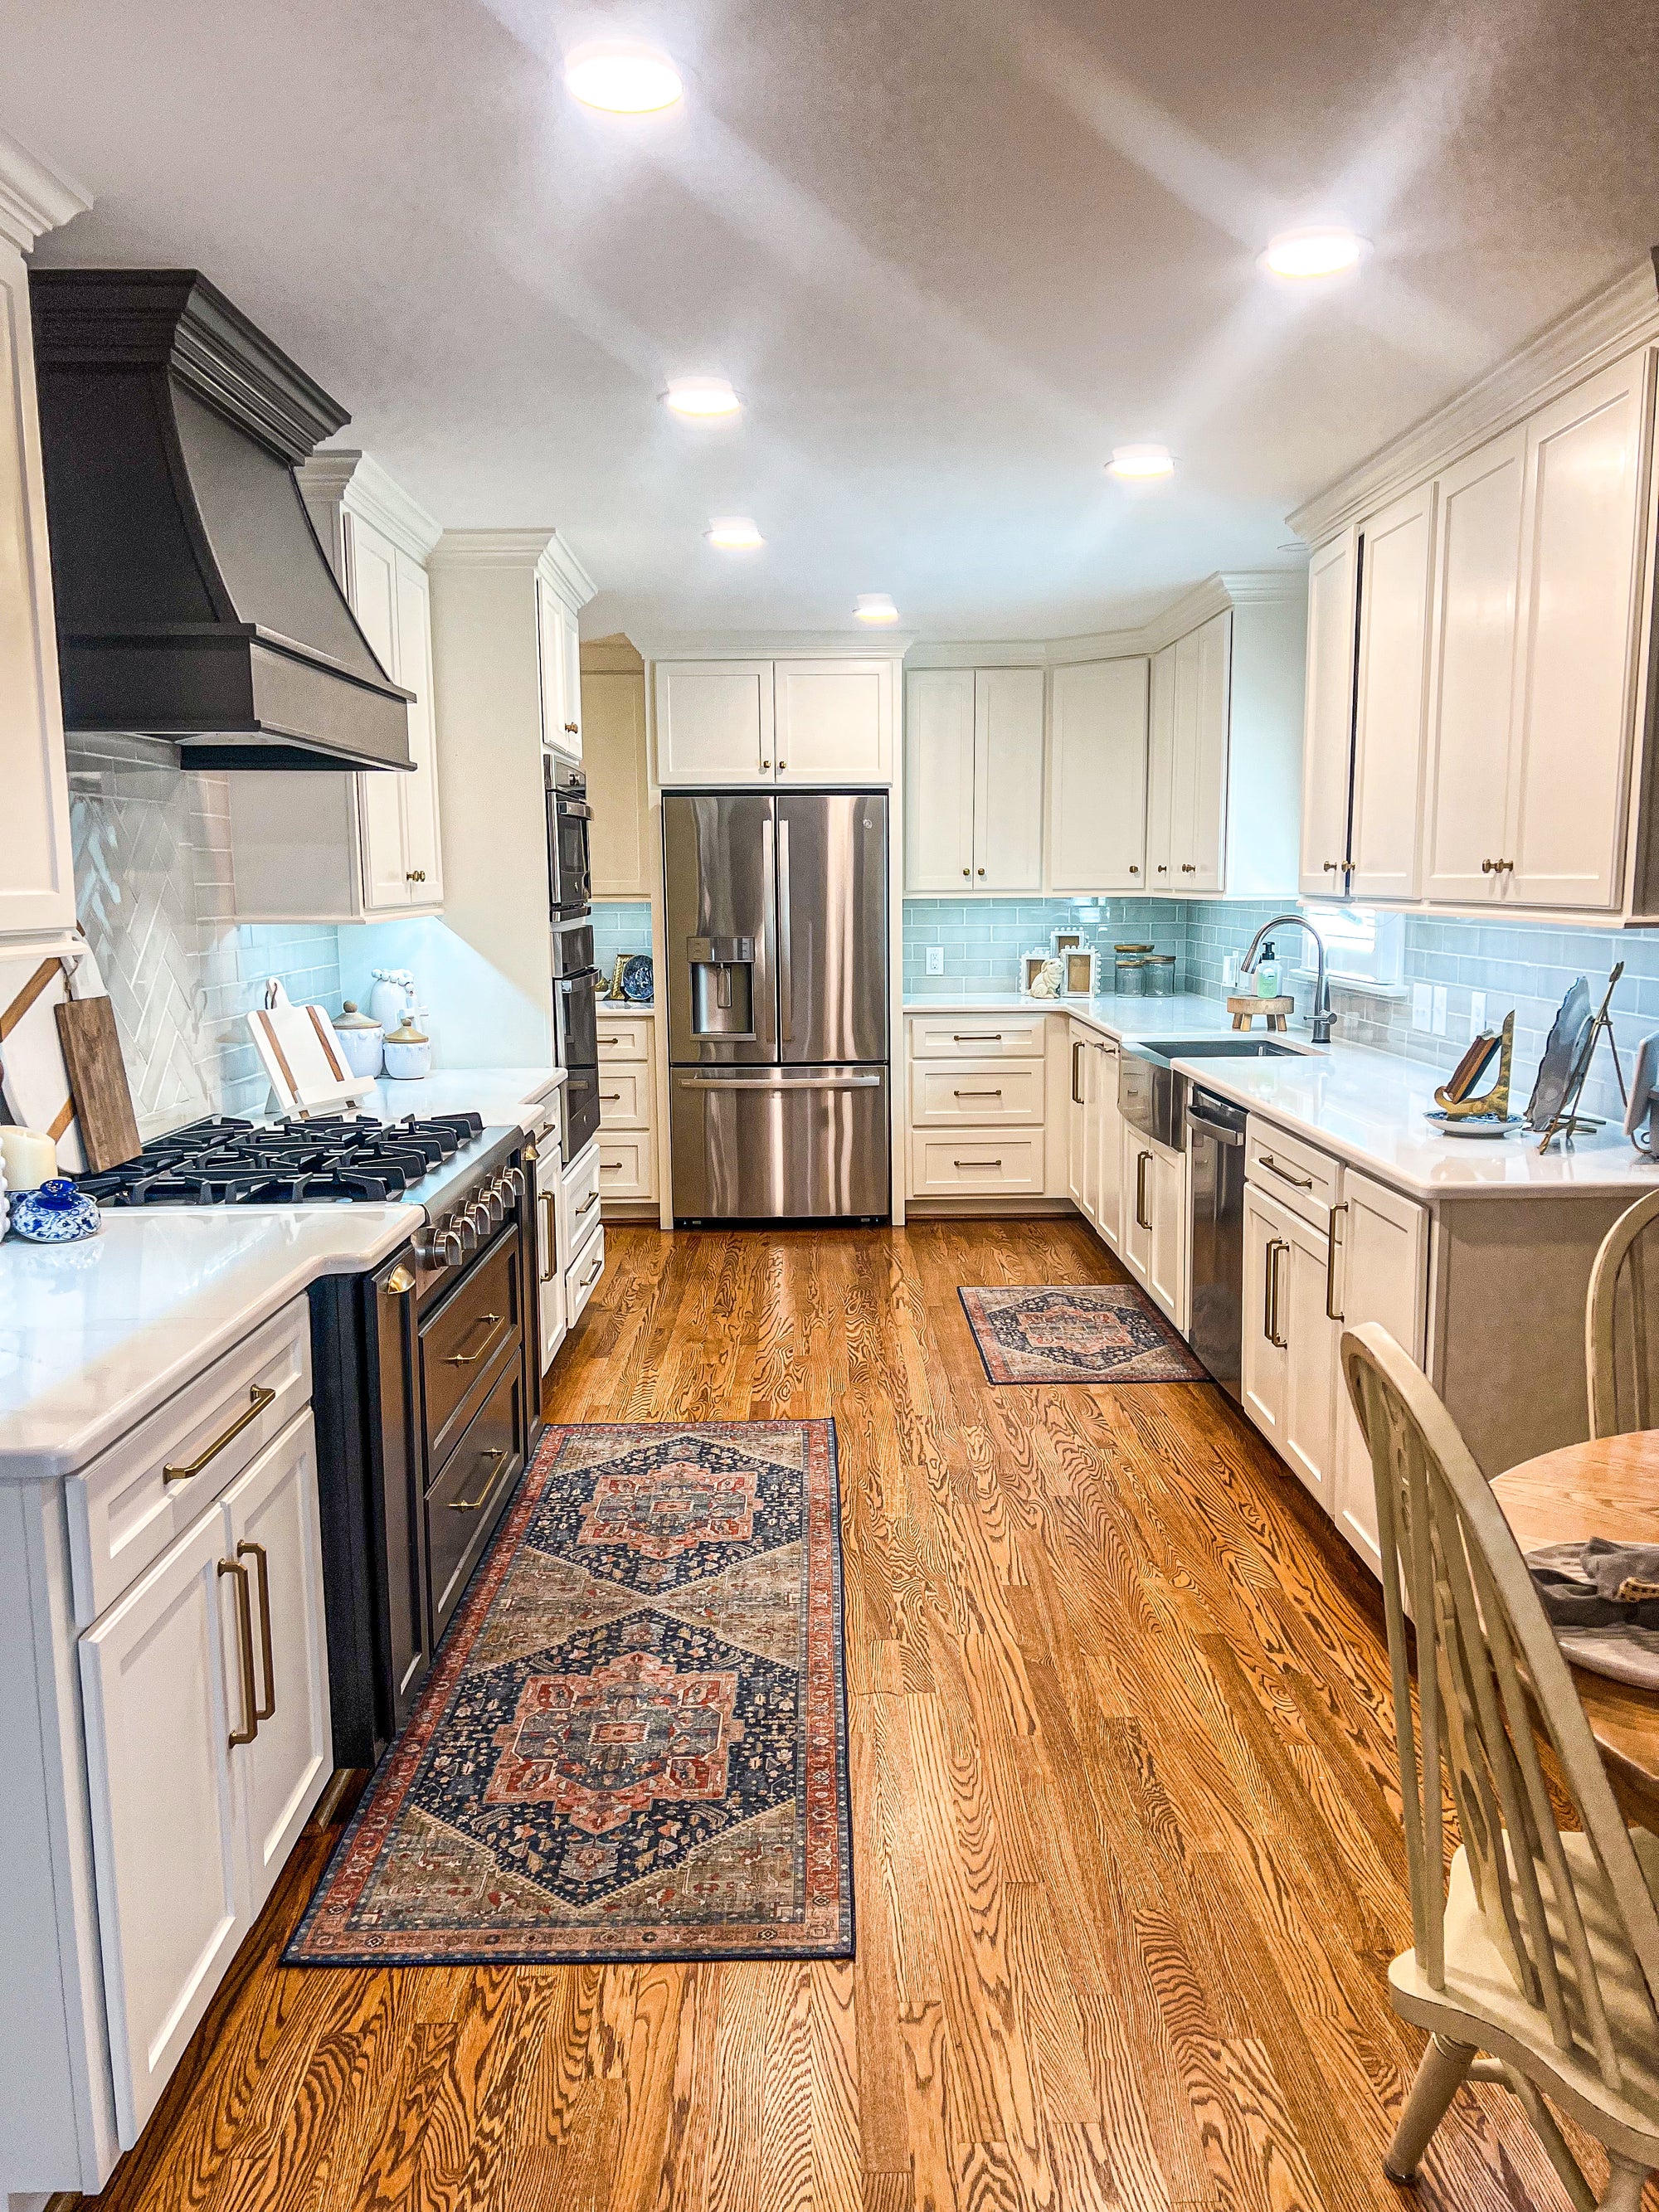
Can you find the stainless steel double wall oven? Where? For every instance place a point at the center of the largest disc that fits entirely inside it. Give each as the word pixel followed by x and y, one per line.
pixel 576 980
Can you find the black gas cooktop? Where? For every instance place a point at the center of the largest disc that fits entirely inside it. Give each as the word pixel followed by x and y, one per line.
pixel 221 1162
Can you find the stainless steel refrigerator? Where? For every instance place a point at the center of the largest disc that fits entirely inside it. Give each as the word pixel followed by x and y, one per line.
pixel 778 1007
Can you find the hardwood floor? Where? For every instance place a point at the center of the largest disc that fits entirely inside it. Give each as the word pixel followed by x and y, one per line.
pixel 1128 1861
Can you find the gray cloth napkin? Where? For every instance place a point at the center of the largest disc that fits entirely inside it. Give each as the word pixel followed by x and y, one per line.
pixel 1602 1600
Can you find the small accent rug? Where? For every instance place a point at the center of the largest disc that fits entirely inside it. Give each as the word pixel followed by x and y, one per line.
pixel 633 1744
pixel 1076 1333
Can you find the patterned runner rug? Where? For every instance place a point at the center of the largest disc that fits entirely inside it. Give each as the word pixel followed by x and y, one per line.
pixel 1076 1333
pixel 633 1744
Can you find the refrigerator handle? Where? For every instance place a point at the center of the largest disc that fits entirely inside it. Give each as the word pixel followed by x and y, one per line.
pixel 785 979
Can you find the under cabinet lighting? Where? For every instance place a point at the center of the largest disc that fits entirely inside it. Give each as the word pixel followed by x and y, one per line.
pixel 1326 251
pixel 875 607
pixel 734 533
pixel 1142 463
pixel 624 77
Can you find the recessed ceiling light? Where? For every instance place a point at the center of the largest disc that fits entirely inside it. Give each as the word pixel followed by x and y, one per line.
pixel 734 533
pixel 876 607
pixel 623 77
pixel 1139 464
pixel 1326 251
pixel 701 395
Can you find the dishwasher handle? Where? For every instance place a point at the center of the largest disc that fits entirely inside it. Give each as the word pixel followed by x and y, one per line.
pixel 1218 1132
pixel 1224 1122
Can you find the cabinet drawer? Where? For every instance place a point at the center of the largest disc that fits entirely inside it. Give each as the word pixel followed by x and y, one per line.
pixel 627 1165
pixel 985 1163
pixel 580 1207
pixel 475 1482
pixel 969 1094
pixel 977 1037
pixel 124 1510
pixel 465 1338
pixel 1296 1174
pixel 624 1097
pixel 581 1276
pixel 622 1039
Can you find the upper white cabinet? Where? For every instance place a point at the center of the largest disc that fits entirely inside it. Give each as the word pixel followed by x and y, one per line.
pixel 1473 668
pixel 973 806
pixel 560 646
pixel 619 775
pixel 1188 765
pixel 362 847
pixel 1098 777
pixel 774 721
pixel 36 874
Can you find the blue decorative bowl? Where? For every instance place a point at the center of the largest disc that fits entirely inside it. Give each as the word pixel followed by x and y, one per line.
pixel 56 1213
pixel 638 983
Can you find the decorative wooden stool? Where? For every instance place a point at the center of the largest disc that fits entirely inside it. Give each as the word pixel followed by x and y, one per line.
pixel 1244 1011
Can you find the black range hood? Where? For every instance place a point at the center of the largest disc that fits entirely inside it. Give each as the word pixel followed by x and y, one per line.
pixel 194 602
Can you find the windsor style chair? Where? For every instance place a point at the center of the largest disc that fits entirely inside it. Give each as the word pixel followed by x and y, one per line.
pixel 1621 1325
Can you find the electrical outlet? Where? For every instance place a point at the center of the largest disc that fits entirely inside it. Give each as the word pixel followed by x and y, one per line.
pixel 1439 1022
pixel 1477 1013
pixel 936 960
pixel 1422 1005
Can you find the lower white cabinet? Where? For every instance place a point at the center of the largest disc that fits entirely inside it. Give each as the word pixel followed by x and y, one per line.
pixel 1288 1356
pixel 582 1277
pixel 206 1692
pixel 1152 1243
pixel 1381 1257
pixel 550 1275
pixel 628 1112
pixel 1094 1139
pixel 967 1163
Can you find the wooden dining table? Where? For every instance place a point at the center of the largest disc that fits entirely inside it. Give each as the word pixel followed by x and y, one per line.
pixel 1609 1487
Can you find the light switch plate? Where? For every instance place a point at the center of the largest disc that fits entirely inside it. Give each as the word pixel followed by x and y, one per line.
pixel 1422 1005
pixel 1439 1010
pixel 1477 1013
pixel 936 960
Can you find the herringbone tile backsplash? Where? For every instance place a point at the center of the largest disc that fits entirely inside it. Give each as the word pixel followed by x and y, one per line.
pixel 154 891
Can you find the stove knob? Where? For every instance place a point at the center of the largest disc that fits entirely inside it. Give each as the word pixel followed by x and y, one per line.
pixel 450 1250
pixel 513 1178
pixel 494 1204
pixel 465 1229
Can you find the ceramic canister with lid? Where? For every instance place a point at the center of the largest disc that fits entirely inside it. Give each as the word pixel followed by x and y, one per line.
pixel 408 1051
pixel 361 1041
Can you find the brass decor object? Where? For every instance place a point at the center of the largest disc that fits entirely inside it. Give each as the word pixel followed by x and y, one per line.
pixel 1454 1097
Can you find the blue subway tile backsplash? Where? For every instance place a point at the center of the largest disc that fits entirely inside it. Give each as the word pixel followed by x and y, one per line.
pixel 620 925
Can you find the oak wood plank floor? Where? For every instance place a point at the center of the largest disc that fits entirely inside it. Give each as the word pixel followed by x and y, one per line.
pixel 1128 1854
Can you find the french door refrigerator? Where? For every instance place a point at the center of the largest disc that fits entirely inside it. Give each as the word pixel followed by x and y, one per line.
pixel 777 1009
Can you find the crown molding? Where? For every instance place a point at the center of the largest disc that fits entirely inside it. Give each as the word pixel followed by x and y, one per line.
pixel 1600 330
pixel 344 478
pixel 1200 603
pixel 950 653
pixel 534 549
pixel 33 199
pixel 772 645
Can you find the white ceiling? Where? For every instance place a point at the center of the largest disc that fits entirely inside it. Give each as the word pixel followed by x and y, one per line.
pixel 951 251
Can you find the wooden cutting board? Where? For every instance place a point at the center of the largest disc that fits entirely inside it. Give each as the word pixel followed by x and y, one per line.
pixel 98 1081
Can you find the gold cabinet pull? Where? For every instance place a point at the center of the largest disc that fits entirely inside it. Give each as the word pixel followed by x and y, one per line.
pixel 485 1321
pixel 262 1568
pixel 552 1237
pixel 1143 1161
pixel 587 1204
pixel 250 1727
pixel 1298 1182
pixel 1332 1248
pixel 493 1460
pixel 593 1274
pixel 258 1398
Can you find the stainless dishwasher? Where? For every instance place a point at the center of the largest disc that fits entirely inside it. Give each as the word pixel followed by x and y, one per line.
pixel 1215 1130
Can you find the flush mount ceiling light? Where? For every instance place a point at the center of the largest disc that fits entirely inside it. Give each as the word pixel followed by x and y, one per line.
pixel 875 607
pixel 1324 251
pixel 707 398
pixel 623 77
pixel 734 533
pixel 1142 463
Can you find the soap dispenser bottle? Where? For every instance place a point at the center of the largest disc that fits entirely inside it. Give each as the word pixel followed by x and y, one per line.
pixel 1267 972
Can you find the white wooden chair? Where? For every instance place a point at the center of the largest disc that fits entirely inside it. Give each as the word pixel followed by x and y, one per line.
pixel 1621 1325
pixel 1542 1951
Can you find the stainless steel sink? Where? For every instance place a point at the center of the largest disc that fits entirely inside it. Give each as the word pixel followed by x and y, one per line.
pixel 1154 1097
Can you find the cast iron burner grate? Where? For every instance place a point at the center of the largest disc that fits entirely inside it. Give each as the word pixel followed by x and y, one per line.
pixel 333 1161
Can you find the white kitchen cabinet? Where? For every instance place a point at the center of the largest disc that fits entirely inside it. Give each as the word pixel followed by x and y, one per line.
pixel 1094 1133
pixel 158 1677
pixel 1288 1353
pixel 1188 768
pixel 1472 668
pixel 1135 1242
pixel 362 847
pixel 549 1275
pixel 1152 1242
pixel 1264 1348
pixel 1098 777
pixel 833 720
pixel 37 882
pixel 974 779
pixel 628 1116
pixel 1381 1257
pixel 714 721
pixel 1160 770
pixel 1391 699
pixel 560 646
pixel 1204 870
pixel 1579 631
pixel 1081 1130
pixel 618 783
pixel 1327 727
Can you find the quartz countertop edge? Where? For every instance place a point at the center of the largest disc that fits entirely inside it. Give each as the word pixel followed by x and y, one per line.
pixel 1366 1107
pixel 501 1095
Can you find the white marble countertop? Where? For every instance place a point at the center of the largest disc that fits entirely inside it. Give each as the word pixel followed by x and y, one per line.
pixel 95 1335
pixel 1366 1107
pixel 614 1007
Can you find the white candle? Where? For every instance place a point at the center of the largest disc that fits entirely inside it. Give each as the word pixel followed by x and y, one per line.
pixel 30 1156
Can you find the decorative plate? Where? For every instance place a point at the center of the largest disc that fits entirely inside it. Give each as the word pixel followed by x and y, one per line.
pixel 638 983
pixel 1474 1125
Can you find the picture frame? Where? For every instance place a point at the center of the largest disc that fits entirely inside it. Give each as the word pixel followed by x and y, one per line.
pixel 1079 965
pixel 1033 969
pixel 1067 940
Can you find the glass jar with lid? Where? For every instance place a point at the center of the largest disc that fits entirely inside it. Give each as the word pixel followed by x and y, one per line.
pixel 1160 969
pixel 1128 969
